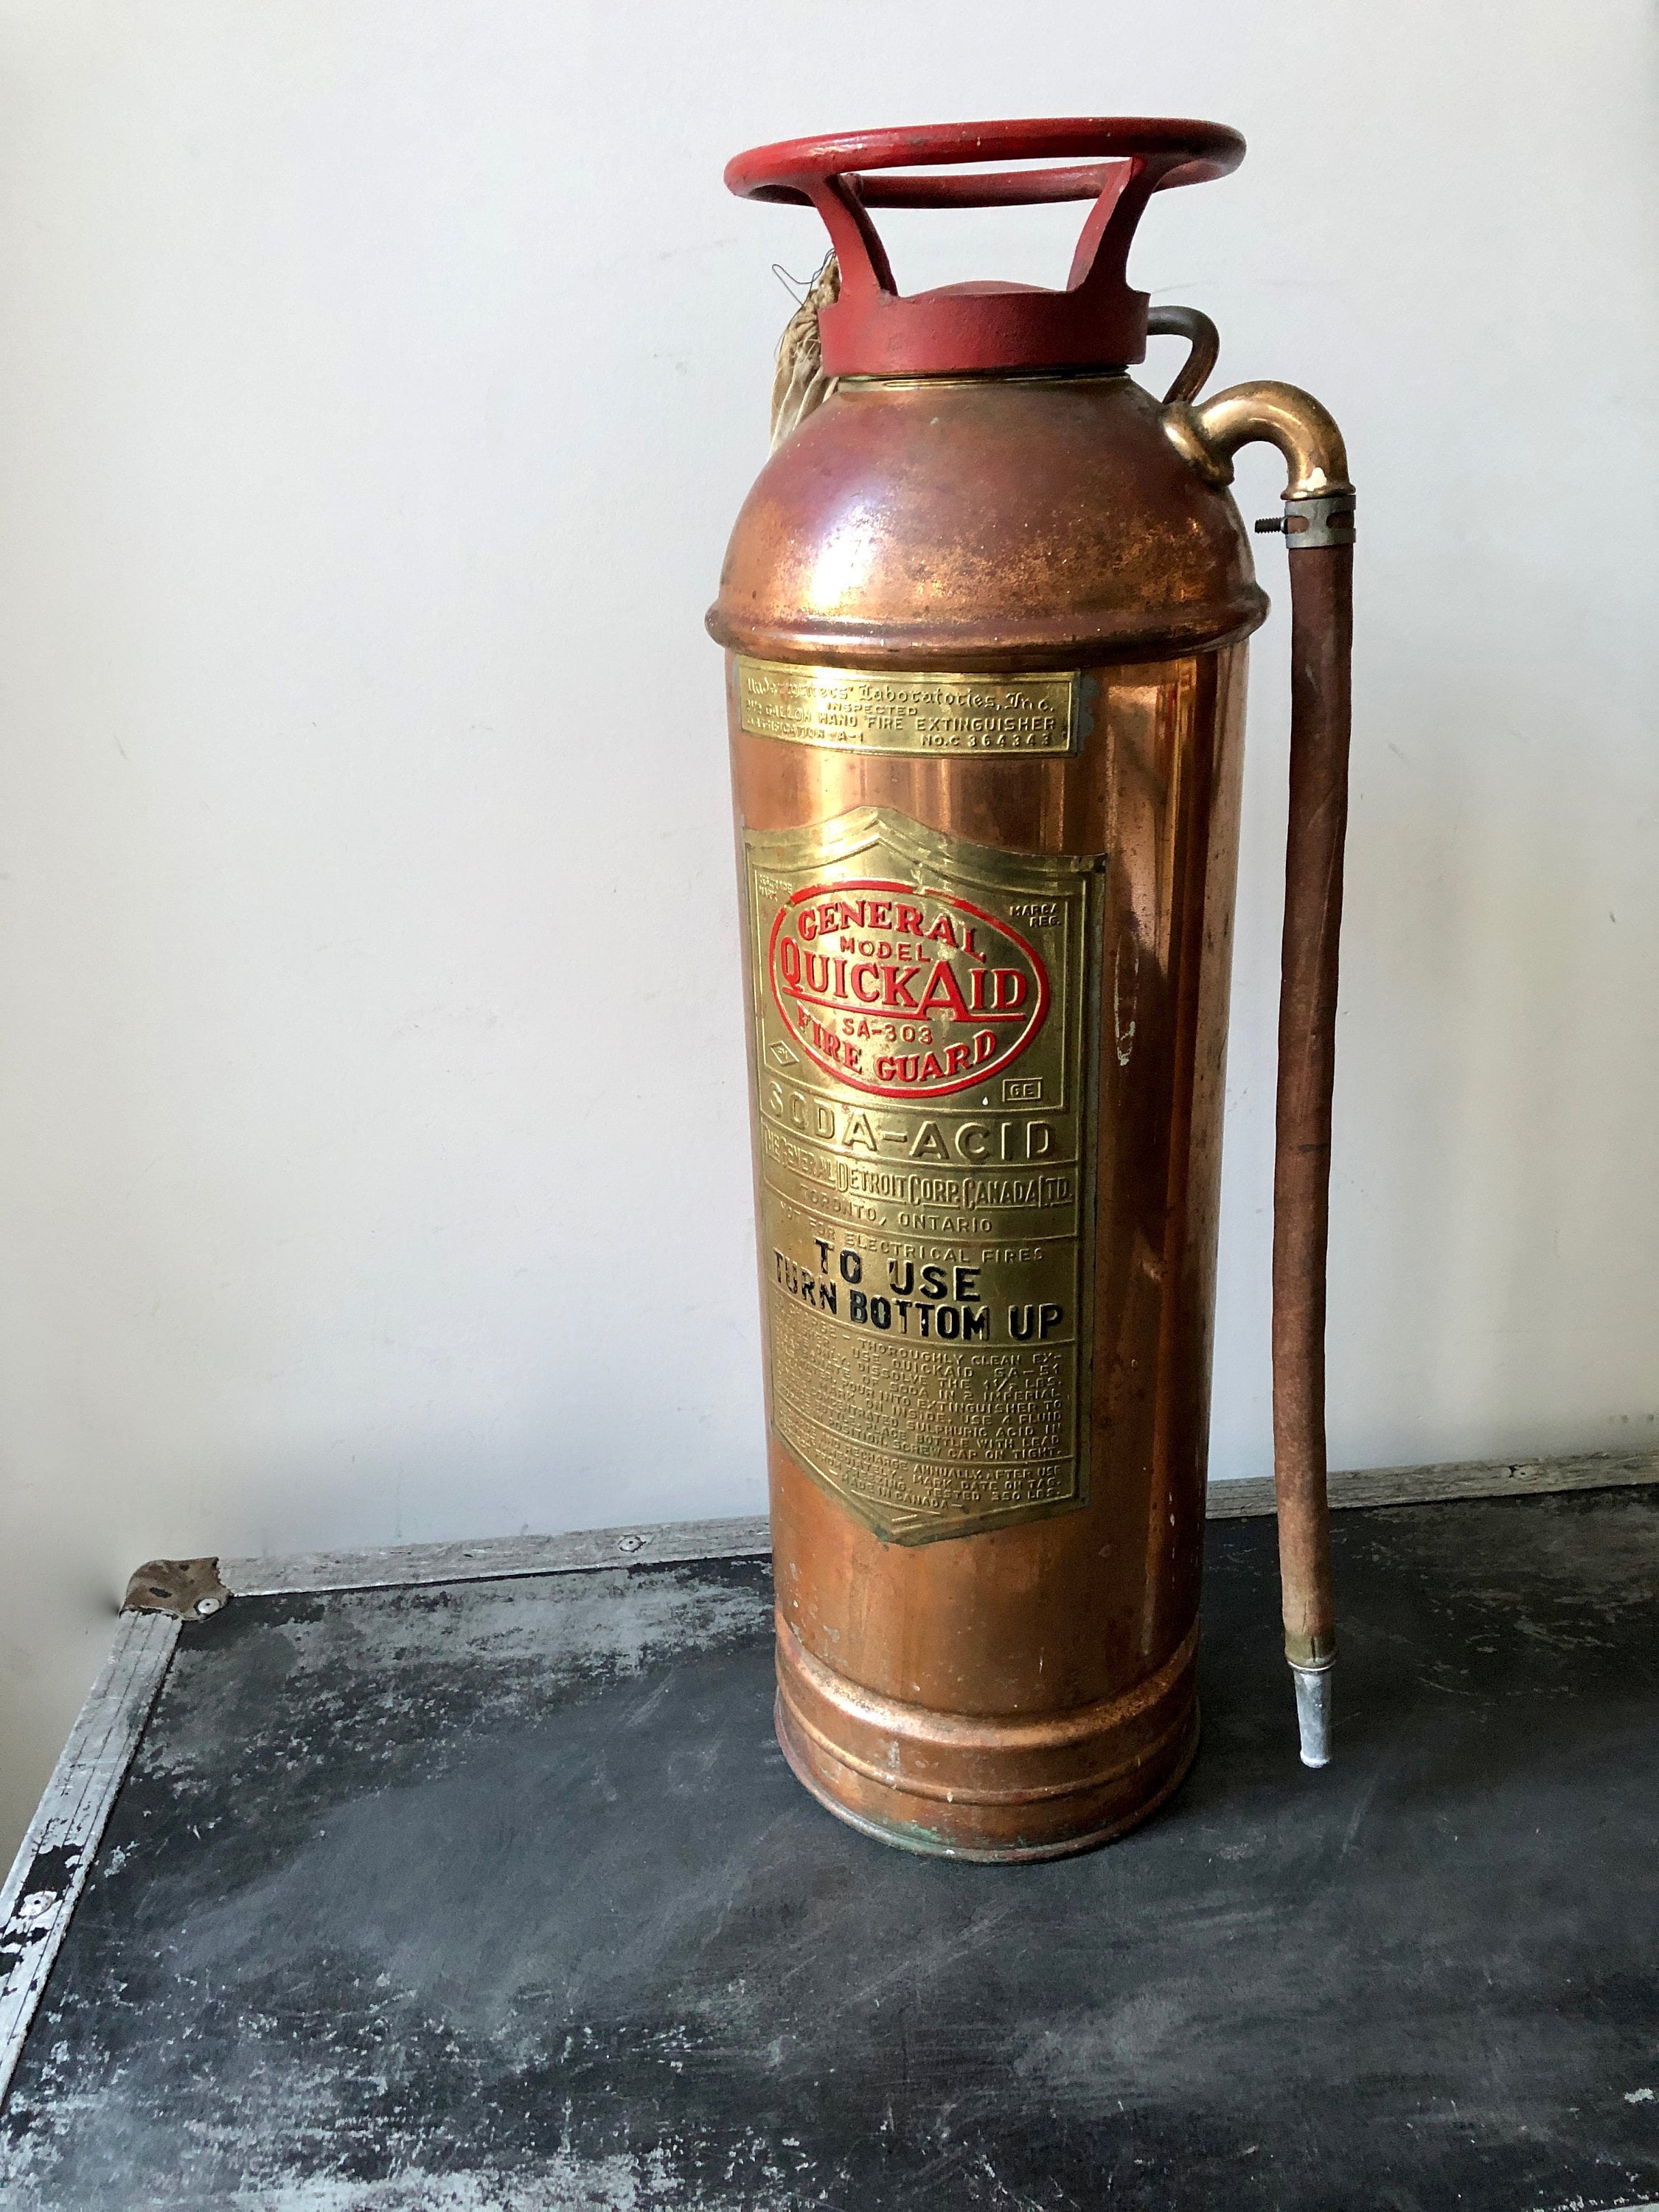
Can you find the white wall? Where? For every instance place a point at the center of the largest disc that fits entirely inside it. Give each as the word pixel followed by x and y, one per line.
pixel 377 384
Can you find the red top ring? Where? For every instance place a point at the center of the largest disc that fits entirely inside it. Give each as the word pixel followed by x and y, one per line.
pixel 787 171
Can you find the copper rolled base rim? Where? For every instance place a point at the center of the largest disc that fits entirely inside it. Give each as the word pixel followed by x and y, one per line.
pixel 959 1746
pixel 906 1838
pixel 986 1787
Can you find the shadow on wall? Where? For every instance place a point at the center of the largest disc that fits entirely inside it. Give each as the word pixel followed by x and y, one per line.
pixel 1500 1236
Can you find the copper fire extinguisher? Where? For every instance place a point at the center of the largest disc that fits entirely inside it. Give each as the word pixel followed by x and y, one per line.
pixel 985 612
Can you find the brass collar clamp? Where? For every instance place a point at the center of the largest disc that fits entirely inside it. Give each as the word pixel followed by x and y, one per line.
pixel 1307 524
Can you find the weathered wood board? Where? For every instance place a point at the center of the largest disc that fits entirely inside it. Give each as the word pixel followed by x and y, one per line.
pixel 497 1894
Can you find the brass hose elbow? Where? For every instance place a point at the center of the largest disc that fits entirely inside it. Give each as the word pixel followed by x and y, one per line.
pixel 1207 436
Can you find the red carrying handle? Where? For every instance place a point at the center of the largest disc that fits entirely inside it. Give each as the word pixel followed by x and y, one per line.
pixel 1117 161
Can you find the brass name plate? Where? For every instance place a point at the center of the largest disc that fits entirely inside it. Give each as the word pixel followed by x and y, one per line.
pixel 861 711
pixel 927 1079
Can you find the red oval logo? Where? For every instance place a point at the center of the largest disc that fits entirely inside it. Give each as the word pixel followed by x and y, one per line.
pixel 907 993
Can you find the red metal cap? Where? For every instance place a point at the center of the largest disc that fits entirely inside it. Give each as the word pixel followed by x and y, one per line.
pixel 1097 322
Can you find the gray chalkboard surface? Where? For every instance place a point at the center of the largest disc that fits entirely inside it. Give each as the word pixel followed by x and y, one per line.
pixel 497 1894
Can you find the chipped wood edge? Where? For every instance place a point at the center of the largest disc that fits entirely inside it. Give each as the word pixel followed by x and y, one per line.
pixel 398 1565
pixel 404 1565
pixel 56 1854
pixel 1464 1478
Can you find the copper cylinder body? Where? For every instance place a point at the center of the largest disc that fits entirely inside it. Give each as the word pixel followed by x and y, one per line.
pixel 1020 1691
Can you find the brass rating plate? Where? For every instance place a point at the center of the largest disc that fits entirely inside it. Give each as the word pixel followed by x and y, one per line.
pixel 926 1065
pixel 861 711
